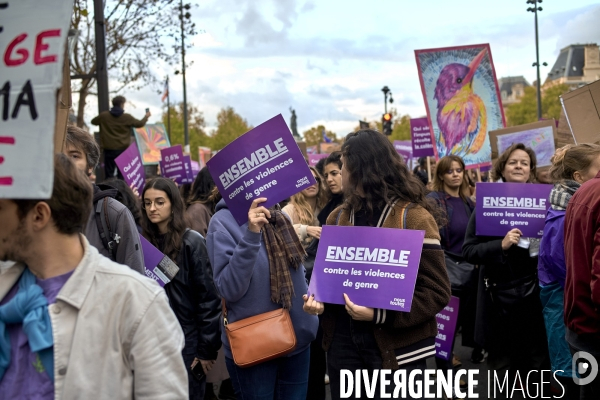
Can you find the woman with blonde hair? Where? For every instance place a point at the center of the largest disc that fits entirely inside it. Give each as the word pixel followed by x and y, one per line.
pixel 304 207
pixel 572 165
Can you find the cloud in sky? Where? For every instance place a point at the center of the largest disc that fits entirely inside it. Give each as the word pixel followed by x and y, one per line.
pixel 329 60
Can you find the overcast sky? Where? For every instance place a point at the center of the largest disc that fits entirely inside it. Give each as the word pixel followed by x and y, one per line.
pixel 329 59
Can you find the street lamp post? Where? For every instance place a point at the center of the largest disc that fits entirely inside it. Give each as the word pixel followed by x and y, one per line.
pixel 185 108
pixel 536 64
pixel 385 91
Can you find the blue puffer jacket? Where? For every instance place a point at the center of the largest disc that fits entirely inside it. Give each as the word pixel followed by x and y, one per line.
pixel 551 272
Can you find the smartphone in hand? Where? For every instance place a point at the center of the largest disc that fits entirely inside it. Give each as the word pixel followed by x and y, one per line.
pixel 147 110
pixel 198 371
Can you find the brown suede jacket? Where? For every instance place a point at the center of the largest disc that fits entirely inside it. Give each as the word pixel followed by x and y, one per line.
pixel 432 289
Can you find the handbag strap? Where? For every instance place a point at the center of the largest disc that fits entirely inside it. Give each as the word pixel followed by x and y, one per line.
pixel 224 311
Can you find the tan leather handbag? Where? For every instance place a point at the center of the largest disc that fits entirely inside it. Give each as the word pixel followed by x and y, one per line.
pixel 260 338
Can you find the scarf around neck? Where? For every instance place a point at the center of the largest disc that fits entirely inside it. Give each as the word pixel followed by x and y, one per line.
pixel 561 194
pixel 28 307
pixel 284 251
pixel 116 111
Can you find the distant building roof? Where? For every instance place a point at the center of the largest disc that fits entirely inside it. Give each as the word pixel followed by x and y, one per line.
pixel 570 62
pixel 506 84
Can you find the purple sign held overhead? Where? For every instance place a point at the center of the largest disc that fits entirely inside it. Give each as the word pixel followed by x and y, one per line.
pixel 173 164
pixel 313 159
pixel 421 137
pixel 505 206
pixel 130 165
pixel 264 162
pixel 375 267
pixel 446 323
pixel 404 148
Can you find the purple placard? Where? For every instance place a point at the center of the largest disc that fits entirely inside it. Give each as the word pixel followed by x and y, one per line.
pixel 446 324
pixel 505 206
pixel 174 164
pixel 195 168
pixel 187 163
pixel 153 257
pixel 130 165
pixel 264 162
pixel 404 148
pixel 313 159
pixel 421 137
pixel 375 267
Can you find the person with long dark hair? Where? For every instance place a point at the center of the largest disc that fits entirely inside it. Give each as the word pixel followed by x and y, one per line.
pixel 191 293
pixel 200 204
pixel 332 172
pixel 380 191
pixel 513 333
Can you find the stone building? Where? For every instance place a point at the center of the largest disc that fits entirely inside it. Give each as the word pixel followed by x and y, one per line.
pixel 512 89
pixel 577 65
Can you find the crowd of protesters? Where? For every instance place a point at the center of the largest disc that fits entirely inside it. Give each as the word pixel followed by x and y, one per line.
pixel 79 320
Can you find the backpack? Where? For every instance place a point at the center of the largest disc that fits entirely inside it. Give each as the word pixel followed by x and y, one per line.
pixel 109 238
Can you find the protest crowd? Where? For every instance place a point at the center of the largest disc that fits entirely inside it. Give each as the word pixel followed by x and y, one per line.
pixel 208 286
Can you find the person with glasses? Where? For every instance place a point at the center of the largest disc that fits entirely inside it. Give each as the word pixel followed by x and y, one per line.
pixel 332 172
pixel 191 293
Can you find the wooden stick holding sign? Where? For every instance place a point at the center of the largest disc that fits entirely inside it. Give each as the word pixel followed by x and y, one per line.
pixel 428 170
pixel 63 105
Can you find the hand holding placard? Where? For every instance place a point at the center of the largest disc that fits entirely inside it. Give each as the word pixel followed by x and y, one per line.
pixel 258 215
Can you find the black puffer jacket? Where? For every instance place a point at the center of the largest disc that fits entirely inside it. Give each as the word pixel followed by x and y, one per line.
pixel 194 299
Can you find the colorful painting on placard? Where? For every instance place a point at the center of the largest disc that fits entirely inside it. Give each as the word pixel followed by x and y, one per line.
pixel 539 136
pixel 151 139
pixel 462 99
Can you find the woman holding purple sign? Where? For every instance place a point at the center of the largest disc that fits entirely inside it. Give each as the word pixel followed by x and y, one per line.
pixel 191 293
pixel 572 166
pixel 257 269
pixel 383 194
pixel 509 322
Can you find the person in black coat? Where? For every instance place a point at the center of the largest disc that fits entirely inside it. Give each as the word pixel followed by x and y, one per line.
pixel 512 333
pixel 192 294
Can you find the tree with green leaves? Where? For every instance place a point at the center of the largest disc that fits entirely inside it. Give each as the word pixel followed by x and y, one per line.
pixel 230 126
pixel 314 135
pixel 525 111
pixel 198 136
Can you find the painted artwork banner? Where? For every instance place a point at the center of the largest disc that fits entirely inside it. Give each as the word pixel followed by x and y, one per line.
pixel 313 159
pixel 157 266
pixel 131 167
pixel 462 99
pixel 420 134
pixel 151 139
pixel 33 36
pixel 173 164
pixel 505 206
pixel 446 323
pixel 375 267
pixel 539 136
pixel 264 162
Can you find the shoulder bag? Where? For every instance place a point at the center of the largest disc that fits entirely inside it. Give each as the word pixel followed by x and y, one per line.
pixel 259 338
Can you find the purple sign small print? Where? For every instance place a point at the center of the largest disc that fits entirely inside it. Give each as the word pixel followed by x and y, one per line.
pixel 157 266
pixel 404 148
pixel 375 267
pixel 173 163
pixel 446 324
pixel 505 206
pixel 131 167
pixel 313 159
pixel 421 137
pixel 264 162
pixel 187 163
